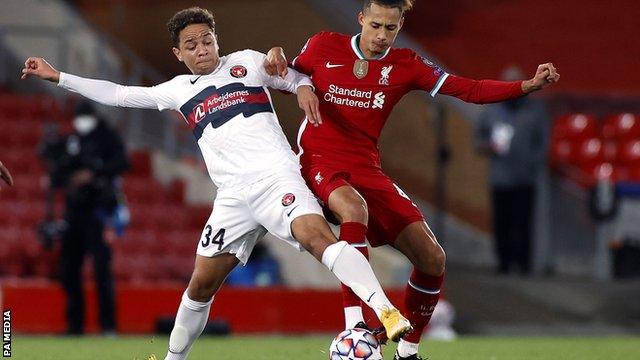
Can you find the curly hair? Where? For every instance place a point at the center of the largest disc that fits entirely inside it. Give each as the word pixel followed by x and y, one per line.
pixel 403 5
pixel 186 17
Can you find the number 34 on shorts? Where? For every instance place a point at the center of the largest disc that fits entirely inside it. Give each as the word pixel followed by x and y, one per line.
pixel 209 238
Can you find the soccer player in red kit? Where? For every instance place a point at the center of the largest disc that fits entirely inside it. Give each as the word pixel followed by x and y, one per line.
pixel 358 80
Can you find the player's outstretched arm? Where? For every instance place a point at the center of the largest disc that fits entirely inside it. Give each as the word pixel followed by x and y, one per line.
pixel 490 91
pixel 276 62
pixel 545 76
pixel 104 92
pixel 5 175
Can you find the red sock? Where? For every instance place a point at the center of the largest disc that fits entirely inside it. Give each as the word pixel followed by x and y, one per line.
pixel 421 297
pixel 353 233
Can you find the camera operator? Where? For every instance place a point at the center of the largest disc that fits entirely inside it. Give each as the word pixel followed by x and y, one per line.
pixel 86 165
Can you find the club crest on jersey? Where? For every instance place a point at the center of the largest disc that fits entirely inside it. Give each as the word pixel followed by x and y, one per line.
pixel 288 199
pixel 238 71
pixel 318 178
pixel 384 75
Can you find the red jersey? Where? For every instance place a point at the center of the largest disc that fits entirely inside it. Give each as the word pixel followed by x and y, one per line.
pixel 357 95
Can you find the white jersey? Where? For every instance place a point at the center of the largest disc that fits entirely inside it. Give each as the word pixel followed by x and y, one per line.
pixel 229 111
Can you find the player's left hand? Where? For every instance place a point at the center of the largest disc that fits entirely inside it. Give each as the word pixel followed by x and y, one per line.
pixel 5 175
pixel 276 63
pixel 544 77
pixel 308 101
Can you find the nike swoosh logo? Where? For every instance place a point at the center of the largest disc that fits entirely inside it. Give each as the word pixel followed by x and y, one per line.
pixel 331 66
pixel 290 211
pixel 193 81
pixel 369 299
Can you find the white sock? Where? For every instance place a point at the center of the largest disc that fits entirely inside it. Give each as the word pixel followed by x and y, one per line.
pixel 190 321
pixel 353 270
pixel 352 316
pixel 406 348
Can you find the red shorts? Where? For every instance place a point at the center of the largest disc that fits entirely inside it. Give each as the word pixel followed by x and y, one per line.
pixel 390 209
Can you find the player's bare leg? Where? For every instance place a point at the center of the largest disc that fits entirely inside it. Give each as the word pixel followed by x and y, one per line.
pixel 208 275
pixel 351 210
pixel 351 268
pixel 418 243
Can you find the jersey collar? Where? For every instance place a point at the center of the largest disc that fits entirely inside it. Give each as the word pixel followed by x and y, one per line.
pixel 355 41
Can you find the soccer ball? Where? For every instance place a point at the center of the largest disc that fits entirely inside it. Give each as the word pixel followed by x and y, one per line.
pixel 355 344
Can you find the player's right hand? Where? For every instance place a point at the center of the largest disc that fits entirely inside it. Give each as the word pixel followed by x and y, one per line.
pixel 41 68
pixel 276 63
pixel 5 175
pixel 308 101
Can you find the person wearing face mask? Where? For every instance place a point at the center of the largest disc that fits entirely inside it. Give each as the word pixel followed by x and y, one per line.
pixel 86 165
pixel 514 136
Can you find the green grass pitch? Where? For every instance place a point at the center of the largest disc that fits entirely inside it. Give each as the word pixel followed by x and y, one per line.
pixel 315 347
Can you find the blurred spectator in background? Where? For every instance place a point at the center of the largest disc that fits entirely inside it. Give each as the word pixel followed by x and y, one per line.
pixel 5 175
pixel 86 166
pixel 513 134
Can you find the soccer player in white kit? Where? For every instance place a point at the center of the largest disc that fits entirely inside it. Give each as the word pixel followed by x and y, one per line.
pixel 227 105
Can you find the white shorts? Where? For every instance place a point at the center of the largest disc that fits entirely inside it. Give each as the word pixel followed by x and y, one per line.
pixel 243 215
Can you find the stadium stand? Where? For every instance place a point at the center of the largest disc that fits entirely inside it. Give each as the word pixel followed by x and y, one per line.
pixel 161 222
pixel 469 37
pixel 586 149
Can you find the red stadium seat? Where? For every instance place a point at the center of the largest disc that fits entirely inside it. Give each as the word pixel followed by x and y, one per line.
pixel 141 163
pixel 605 170
pixel 21 161
pixel 590 152
pixel 611 151
pixel 563 153
pixel 198 216
pixel 630 153
pixel 634 173
pixel 575 126
pixel 622 127
pixel 142 190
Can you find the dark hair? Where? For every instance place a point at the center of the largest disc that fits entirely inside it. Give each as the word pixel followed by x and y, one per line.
pixel 186 17
pixel 402 5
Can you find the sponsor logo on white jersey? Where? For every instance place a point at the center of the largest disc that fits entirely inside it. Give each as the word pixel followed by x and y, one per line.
pixel 199 112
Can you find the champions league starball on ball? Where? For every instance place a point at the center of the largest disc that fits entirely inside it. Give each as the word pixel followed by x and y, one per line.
pixel 355 344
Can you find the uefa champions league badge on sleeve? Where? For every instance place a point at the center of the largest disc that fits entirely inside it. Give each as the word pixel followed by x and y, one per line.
pixel 361 68
pixel 437 70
